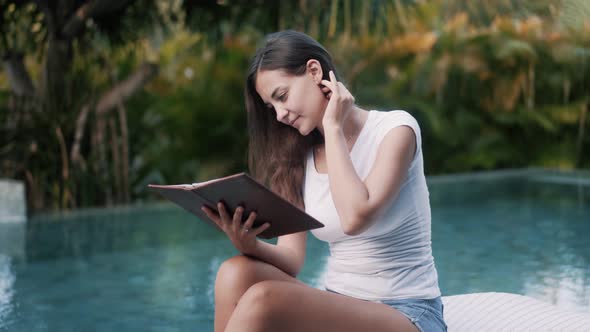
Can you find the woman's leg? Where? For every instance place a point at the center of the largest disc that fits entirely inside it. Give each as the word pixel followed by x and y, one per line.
pixel 234 277
pixel 284 306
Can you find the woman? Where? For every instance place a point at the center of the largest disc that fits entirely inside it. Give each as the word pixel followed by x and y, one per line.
pixel 361 174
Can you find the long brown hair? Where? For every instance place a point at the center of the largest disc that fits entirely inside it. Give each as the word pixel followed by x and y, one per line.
pixel 277 152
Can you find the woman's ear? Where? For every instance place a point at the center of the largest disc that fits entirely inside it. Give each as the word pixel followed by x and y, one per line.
pixel 315 70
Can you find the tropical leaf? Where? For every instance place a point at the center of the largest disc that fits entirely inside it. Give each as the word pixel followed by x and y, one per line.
pixel 563 114
pixel 512 49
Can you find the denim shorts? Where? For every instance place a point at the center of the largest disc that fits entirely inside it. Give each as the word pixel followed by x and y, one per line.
pixel 425 314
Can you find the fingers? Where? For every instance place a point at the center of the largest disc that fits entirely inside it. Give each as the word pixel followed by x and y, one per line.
pixel 326 91
pixel 223 221
pixel 335 85
pixel 250 221
pixel 247 227
pixel 213 217
pixel 332 77
pixel 332 82
pixel 222 212
pixel 332 85
pixel 336 89
pixel 237 221
pixel 260 229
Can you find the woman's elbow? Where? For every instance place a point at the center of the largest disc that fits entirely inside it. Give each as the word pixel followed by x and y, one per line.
pixel 294 270
pixel 296 266
pixel 354 227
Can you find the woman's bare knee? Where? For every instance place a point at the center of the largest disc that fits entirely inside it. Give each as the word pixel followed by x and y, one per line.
pixel 257 307
pixel 236 272
pixel 235 277
pixel 241 272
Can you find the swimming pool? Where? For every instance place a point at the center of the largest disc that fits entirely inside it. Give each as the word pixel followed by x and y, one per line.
pixel 153 267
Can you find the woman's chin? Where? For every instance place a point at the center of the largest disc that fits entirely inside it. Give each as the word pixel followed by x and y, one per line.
pixel 303 131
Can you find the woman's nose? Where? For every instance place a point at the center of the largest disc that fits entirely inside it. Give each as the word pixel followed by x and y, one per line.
pixel 282 114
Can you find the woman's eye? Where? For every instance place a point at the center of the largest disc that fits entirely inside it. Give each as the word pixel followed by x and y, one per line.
pixel 283 97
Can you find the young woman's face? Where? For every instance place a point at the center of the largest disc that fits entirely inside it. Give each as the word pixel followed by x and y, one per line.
pixel 297 100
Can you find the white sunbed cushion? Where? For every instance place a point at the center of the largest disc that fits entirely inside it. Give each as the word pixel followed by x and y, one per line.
pixel 509 312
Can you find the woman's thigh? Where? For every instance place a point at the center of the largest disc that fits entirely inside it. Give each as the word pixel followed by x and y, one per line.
pixel 284 306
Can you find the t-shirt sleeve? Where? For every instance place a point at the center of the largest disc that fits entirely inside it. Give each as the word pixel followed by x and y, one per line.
pixel 400 118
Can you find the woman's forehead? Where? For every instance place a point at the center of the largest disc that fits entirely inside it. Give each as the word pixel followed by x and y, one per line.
pixel 268 80
pixel 269 76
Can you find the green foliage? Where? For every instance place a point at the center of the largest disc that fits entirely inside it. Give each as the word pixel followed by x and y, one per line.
pixel 507 94
pixel 498 84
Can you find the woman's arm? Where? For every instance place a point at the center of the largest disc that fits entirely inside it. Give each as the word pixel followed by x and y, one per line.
pixel 357 201
pixel 288 254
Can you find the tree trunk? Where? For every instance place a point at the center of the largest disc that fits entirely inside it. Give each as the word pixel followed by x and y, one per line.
pixel 75 156
pixel 101 165
pixel 111 99
pixel 115 152
pixel 54 89
pixel 125 89
pixel 124 153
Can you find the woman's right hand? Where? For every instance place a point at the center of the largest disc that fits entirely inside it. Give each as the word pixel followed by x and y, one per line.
pixel 242 235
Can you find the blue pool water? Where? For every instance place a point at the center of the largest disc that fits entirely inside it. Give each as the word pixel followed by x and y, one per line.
pixel 153 267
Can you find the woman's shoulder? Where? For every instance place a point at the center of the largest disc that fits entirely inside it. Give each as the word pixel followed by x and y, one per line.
pixel 385 121
pixel 396 116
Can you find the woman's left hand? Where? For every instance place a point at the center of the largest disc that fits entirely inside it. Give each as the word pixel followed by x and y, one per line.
pixel 241 234
pixel 340 104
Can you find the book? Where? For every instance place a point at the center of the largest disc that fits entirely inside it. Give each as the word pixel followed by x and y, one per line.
pixel 240 190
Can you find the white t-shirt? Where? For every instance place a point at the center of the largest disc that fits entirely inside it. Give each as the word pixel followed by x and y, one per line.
pixel 392 259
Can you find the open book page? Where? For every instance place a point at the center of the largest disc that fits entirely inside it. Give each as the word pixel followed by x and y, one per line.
pixel 172 186
pixel 199 184
pixel 187 186
pixel 194 185
pixel 229 177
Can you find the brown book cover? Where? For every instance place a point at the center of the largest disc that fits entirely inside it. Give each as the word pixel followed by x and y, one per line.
pixel 241 190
